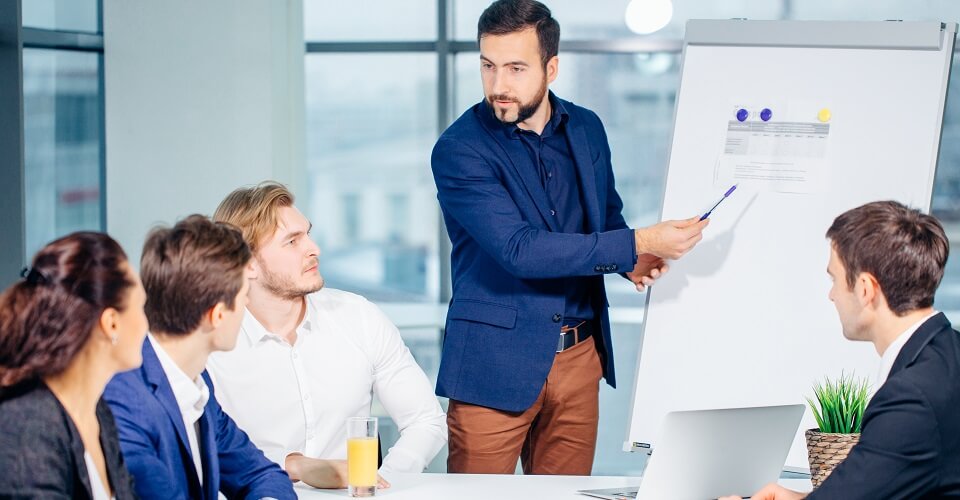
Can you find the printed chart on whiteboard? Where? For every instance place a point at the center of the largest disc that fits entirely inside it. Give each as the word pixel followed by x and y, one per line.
pixel 769 155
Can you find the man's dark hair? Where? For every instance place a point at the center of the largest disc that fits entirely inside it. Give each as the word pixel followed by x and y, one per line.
pixel 903 248
pixel 188 269
pixel 510 16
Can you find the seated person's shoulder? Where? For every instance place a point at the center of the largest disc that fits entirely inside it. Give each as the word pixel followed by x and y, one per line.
pixel 935 373
pixel 127 388
pixel 918 403
pixel 133 403
pixel 29 407
pixel 362 318
pixel 33 430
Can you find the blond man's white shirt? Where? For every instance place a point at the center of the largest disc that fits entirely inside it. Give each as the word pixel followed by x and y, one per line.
pixel 296 399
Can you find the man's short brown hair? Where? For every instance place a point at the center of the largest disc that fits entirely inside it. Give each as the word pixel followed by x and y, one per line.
pixel 504 17
pixel 903 248
pixel 188 269
pixel 254 211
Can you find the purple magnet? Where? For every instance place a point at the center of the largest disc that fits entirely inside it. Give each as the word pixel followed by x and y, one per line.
pixel 742 114
pixel 766 114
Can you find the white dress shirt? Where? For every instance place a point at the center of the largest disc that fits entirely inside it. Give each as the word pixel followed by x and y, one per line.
pixel 191 396
pixel 893 350
pixel 298 398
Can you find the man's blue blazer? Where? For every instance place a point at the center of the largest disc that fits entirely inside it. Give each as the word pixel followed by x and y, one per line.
pixel 156 450
pixel 910 443
pixel 508 263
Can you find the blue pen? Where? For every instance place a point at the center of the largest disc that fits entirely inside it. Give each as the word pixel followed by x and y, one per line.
pixel 714 207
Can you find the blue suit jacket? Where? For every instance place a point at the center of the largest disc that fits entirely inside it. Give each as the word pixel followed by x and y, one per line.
pixel 509 264
pixel 155 447
pixel 910 442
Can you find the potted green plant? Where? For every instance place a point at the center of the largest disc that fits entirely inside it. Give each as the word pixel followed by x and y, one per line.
pixel 838 410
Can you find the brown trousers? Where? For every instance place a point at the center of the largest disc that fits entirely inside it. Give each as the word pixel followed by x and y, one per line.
pixel 556 435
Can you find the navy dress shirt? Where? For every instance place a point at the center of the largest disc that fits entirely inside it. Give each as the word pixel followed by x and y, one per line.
pixel 550 151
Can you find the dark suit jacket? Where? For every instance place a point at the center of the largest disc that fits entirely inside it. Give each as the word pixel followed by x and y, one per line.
pixel 509 264
pixel 155 445
pixel 910 442
pixel 41 453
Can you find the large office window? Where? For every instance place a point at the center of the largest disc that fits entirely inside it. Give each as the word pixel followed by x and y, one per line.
pixel 419 65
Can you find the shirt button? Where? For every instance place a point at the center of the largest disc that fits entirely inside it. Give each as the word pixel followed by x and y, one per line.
pixel 553 212
pixel 306 397
pixel 549 175
pixel 557 317
pixel 294 355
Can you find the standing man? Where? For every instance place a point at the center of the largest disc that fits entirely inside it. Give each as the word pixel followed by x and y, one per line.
pixel 527 192
pixel 886 262
pixel 309 357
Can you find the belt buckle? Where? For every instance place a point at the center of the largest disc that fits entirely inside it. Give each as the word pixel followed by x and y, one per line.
pixel 561 345
pixel 564 331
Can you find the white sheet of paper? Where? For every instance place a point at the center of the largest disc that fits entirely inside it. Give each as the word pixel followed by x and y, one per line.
pixel 775 156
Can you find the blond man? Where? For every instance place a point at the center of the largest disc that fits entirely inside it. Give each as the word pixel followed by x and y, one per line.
pixel 309 357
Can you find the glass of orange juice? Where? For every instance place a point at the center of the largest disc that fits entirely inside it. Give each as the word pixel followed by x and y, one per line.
pixel 362 446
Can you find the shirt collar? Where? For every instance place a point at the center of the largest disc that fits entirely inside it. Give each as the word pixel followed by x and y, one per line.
pixel 256 332
pixel 558 117
pixel 893 350
pixel 191 395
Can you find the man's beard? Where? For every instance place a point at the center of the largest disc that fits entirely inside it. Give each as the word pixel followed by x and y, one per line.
pixel 525 110
pixel 283 287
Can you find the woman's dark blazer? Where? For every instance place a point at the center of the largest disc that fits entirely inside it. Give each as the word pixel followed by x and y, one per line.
pixel 41 454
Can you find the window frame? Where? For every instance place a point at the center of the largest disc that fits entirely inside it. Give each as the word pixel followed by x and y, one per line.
pixel 14 38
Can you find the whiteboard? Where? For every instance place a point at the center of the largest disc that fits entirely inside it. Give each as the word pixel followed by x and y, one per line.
pixel 744 318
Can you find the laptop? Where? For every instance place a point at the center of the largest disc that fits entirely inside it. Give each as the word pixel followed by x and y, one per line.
pixel 711 453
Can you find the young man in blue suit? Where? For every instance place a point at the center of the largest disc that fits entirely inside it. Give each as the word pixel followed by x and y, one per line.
pixel 886 262
pixel 526 188
pixel 176 440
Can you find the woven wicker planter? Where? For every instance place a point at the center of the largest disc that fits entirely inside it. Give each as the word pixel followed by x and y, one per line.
pixel 825 451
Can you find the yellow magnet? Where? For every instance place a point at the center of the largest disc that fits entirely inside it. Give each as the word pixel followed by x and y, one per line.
pixel 824 115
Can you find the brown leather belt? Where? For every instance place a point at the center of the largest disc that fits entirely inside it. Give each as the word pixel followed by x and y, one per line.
pixel 573 335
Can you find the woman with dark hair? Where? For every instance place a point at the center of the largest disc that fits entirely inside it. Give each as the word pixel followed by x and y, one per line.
pixel 73 321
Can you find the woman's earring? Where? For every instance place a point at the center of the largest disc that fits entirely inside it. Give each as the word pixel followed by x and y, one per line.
pixel 114 339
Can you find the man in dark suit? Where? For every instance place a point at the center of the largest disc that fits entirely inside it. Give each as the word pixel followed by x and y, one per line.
pixel 886 262
pixel 527 193
pixel 176 440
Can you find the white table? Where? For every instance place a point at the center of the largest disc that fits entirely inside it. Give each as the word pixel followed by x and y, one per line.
pixel 497 487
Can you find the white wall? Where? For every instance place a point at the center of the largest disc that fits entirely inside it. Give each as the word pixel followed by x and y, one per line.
pixel 201 98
